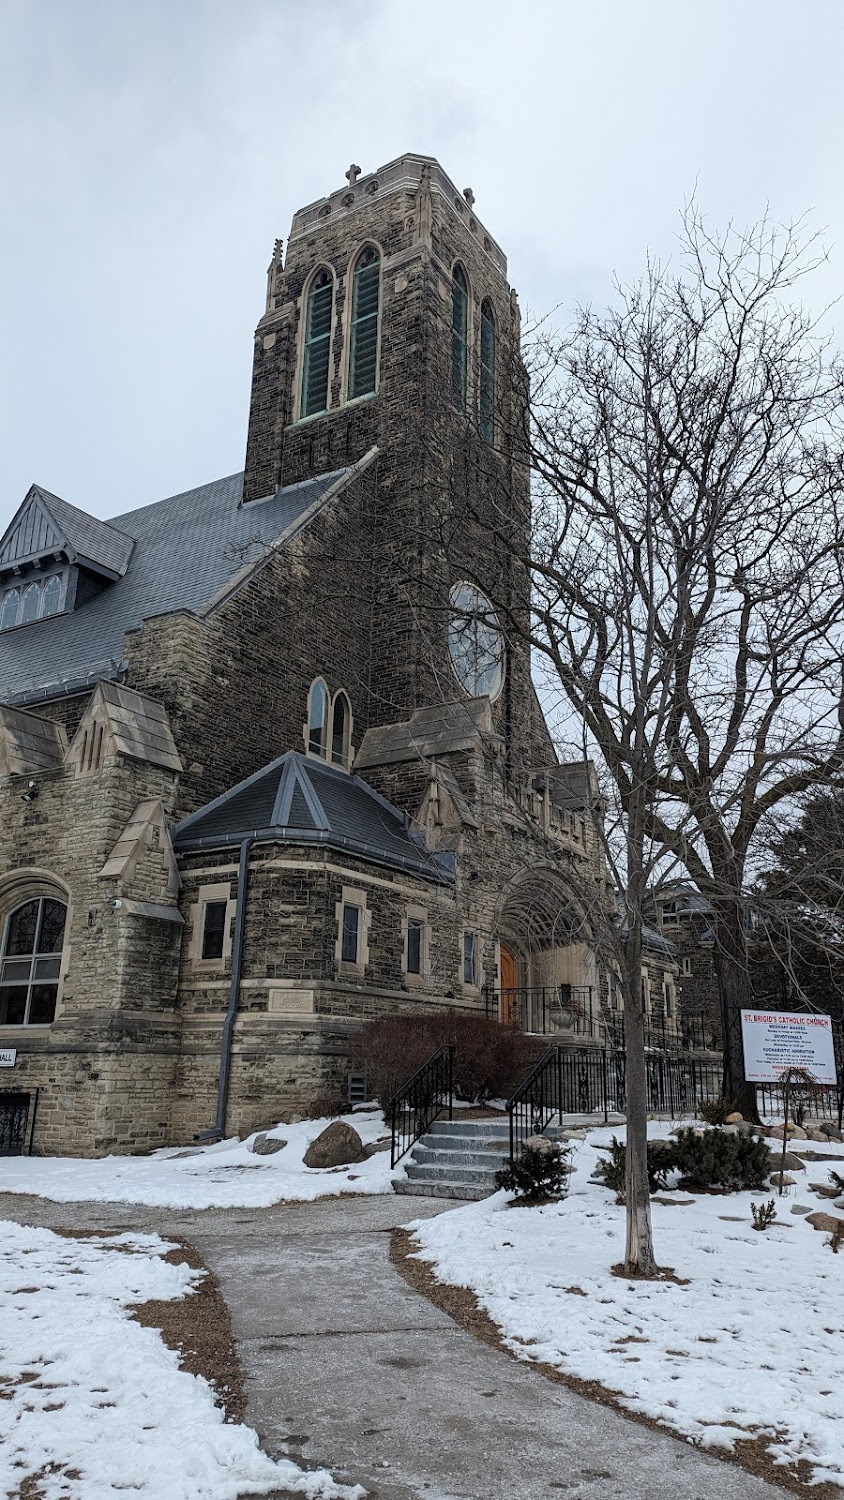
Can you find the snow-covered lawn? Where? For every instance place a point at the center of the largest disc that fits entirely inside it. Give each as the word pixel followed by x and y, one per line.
pixel 226 1175
pixel 754 1344
pixel 94 1404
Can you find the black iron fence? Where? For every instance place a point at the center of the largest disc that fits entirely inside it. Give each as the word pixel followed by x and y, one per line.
pixel 417 1104
pixel 546 1008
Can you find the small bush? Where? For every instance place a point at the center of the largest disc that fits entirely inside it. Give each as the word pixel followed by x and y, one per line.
pixel 715 1159
pixel 537 1174
pixel 763 1214
pixel 836 1180
pixel 715 1111
pixel 836 1239
pixel 490 1059
pixel 613 1170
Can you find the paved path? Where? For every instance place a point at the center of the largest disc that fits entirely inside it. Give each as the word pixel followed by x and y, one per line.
pixel 346 1366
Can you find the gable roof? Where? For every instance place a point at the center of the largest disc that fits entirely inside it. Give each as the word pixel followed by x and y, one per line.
pixel 300 800
pixel 187 551
pixel 46 524
pixel 439 729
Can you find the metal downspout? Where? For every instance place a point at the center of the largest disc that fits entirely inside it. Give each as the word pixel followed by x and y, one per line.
pixel 219 1130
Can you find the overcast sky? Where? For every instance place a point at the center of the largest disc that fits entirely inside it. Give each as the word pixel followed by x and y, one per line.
pixel 152 150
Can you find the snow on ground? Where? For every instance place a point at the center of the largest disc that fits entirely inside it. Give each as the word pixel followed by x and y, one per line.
pixel 94 1404
pixel 753 1344
pixel 225 1175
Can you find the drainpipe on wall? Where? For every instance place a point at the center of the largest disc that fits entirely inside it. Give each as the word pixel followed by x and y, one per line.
pixel 218 1133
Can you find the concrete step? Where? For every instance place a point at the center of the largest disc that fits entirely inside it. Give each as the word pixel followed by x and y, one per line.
pixel 470 1157
pixel 465 1192
pixel 452 1173
pixel 471 1127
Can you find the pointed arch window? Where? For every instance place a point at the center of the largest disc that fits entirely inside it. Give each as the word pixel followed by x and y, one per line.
pixel 9 609
pixel 487 388
pixel 341 730
pixel 51 596
pixel 315 367
pixel 459 337
pixel 318 718
pixel 363 346
pixel 30 962
pixel 31 601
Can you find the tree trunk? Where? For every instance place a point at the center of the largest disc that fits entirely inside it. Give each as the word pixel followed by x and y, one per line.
pixel 732 969
pixel 639 1256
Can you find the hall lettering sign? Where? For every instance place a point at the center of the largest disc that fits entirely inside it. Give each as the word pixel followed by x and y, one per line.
pixel 775 1041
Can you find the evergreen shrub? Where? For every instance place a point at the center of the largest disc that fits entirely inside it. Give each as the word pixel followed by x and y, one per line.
pixel 612 1170
pixel 719 1159
pixel 539 1173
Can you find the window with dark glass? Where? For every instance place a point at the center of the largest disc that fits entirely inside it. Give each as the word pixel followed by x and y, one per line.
pixel 350 933
pixel 318 718
pixel 363 348
pixel 31 962
pixel 214 929
pixel 315 369
pixel 459 335
pixel 50 596
pixel 487 390
pixel 415 930
pixel 470 958
pixel 341 723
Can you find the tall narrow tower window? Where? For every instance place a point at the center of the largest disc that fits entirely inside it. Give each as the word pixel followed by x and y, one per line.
pixel 341 729
pixel 318 718
pixel 363 351
pixel 315 368
pixel 459 332
pixel 487 391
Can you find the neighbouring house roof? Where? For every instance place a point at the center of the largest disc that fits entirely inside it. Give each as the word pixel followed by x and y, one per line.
pixel 300 800
pixel 187 552
pixel 442 729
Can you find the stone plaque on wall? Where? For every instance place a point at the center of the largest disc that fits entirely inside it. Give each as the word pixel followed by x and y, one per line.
pixel 291 1002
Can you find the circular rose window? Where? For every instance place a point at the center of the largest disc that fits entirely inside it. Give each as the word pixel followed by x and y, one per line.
pixel 475 642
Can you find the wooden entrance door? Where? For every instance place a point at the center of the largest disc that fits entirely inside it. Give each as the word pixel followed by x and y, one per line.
pixel 509 980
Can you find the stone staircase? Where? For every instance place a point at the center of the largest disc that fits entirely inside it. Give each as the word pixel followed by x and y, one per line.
pixel 457 1159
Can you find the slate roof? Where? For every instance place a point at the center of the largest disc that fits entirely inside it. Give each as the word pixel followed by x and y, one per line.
pixel 300 800
pixel 438 729
pixel 45 523
pixel 186 549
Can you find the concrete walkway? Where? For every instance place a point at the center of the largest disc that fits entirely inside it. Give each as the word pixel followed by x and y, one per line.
pixel 346 1366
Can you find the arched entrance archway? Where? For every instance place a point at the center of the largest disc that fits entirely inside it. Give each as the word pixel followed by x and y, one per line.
pixel 547 974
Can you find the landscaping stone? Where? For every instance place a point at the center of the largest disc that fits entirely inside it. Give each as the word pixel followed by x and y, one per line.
pixel 540 1143
pixel 818 1156
pixel 826 1223
pixel 824 1189
pixel 337 1146
pixel 801 1208
pixel 791 1163
pixel 782 1179
pixel 736 1118
pixel 267 1145
pixel 831 1131
pixel 816 1135
pixel 375 1146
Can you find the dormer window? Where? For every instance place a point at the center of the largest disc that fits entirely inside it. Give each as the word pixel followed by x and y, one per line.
pixel 25 602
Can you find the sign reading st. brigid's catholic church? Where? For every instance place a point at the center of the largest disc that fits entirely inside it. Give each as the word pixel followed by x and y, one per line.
pixel 775 1041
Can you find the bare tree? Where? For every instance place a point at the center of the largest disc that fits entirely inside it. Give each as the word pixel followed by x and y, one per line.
pixel 687 599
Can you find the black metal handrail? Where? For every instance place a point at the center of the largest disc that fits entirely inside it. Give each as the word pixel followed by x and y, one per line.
pixel 414 1107
pixel 536 1100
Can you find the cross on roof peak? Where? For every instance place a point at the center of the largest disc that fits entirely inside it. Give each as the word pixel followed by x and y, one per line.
pixel 353 174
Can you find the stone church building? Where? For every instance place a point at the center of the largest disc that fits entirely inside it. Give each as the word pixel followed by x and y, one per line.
pixel 271 760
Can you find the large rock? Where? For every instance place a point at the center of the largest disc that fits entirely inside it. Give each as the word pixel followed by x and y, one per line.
pixel 336 1146
pixel 782 1179
pixel 375 1147
pixel 826 1223
pixel 540 1143
pixel 831 1131
pixel 790 1162
pixel 824 1189
pixel 267 1145
pixel 736 1118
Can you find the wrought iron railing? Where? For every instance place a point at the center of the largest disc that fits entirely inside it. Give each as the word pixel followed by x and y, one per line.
pixel 664 1033
pixel 417 1104
pixel 592 1081
pixel 546 1008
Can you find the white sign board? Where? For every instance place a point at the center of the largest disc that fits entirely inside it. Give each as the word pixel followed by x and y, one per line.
pixel 8 1056
pixel 775 1041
